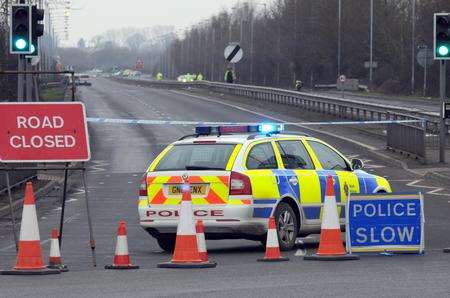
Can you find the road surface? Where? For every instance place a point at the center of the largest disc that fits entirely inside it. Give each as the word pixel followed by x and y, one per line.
pixel 121 154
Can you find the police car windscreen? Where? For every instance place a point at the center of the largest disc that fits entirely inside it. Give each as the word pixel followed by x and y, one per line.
pixel 196 157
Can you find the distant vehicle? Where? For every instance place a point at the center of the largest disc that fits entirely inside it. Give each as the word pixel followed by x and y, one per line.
pixel 242 175
pixel 81 80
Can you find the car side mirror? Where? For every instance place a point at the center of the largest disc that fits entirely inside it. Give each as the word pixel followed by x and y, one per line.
pixel 357 164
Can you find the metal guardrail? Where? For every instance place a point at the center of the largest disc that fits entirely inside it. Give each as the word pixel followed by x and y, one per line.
pixel 407 139
pixel 338 107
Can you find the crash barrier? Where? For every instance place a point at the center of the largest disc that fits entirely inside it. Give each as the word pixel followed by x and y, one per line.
pixel 206 123
pixel 407 139
pixel 331 105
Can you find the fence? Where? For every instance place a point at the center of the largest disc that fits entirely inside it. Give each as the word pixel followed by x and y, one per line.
pixel 407 139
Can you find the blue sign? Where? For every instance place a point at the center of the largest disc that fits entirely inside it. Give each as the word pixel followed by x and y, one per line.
pixel 385 222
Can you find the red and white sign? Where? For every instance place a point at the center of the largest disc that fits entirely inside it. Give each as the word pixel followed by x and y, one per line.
pixel 43 132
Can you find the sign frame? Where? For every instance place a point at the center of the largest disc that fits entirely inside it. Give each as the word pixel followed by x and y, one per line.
pixel 386 248
pixel 54 160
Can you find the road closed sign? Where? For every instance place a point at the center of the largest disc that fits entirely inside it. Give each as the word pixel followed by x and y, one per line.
pixel 43 132
pixel 385 222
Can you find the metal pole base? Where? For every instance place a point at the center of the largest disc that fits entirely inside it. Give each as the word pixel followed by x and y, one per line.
pixel 209 264
pixel 121 267
pixel 44 271
pixel 62 268
pixel 280 259
pixel 315 257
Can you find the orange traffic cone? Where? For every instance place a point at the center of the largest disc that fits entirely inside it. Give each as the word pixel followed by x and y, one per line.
pixel 272 247
pixel 201 242
pixel 186 253
pixel 54 260
pixel 29 257
pixel 331 247
pixel 121 256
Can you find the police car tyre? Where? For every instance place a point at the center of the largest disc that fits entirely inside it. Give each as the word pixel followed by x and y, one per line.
pixel 287 226
pixel 166 242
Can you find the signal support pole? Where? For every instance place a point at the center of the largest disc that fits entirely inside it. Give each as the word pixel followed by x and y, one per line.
pixel 20 80
pixel 442 129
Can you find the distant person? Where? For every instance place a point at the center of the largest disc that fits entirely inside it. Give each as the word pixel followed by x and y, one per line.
pixel 298 85
pixel 159 76
pixel 229 76
pixel 200 77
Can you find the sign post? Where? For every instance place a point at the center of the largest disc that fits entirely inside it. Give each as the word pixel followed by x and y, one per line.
pixel 45 133
pixel 385 223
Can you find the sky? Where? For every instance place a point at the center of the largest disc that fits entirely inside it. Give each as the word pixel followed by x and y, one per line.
pixel 93 17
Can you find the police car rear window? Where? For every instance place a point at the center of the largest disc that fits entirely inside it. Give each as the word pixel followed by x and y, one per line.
pixel 196 157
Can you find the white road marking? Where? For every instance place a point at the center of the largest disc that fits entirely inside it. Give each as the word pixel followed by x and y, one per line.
pixel 300 252
pixel 433 189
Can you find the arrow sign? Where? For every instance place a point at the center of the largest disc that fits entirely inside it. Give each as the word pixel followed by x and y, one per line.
pixel 233 53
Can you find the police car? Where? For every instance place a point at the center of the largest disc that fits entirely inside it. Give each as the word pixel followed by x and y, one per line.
pixel 242 175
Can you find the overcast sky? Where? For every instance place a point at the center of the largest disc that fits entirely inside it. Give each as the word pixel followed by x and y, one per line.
pixel 89 17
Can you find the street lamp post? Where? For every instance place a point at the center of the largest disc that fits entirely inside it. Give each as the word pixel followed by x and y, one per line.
pixel 371 43
pixel 413 46
pixel 339 37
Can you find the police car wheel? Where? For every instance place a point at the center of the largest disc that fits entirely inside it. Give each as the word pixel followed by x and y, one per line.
pixel 287 226
pixel 166 242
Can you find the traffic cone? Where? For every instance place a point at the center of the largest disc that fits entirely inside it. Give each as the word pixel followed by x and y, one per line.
pixel 121 256
pixel 186 253
pixel 272 247
pixel 200 230
pixel 29 257
pixel 54 260
pixel 331 247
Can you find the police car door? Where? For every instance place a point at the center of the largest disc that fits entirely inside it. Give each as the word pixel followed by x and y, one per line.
pixel 300 176
pixel 333 163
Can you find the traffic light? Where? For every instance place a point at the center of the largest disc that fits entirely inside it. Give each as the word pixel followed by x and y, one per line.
pixel 37 29
pixel 20 31
pixel 442 36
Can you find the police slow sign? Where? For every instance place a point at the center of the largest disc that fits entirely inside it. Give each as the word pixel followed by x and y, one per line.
pixel 43 132
pixel 385 222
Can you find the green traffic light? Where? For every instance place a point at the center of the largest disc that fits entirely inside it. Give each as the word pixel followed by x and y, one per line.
pixel 32 48
pixel 21 44
pixel 443 50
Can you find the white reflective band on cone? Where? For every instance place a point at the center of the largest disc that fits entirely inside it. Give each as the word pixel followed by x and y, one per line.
pixel 54 248
pixel 121 246
pixel 272 238
pixel 330 208
pixel 29 229
pixel 186 226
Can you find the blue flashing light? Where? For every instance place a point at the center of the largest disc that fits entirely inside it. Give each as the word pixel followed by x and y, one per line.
pixel 270 128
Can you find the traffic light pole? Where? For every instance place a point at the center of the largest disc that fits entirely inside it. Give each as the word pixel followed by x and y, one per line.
pixel 442 129
pixel 20 76
pixel 28 81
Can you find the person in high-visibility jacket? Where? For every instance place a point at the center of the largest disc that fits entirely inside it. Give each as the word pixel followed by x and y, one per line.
pixel 159 76
pixel 298 85
pixel 200 77
pixel 229 76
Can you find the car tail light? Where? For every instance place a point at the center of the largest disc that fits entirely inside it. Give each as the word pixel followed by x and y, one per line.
pixel 240 184
pixel 143 186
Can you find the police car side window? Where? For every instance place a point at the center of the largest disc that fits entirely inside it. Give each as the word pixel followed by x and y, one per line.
pixel 294 155
pixel 262 156
pixel 329 159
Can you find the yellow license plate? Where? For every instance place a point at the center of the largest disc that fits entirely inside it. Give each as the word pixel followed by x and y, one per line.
pixel 196 189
